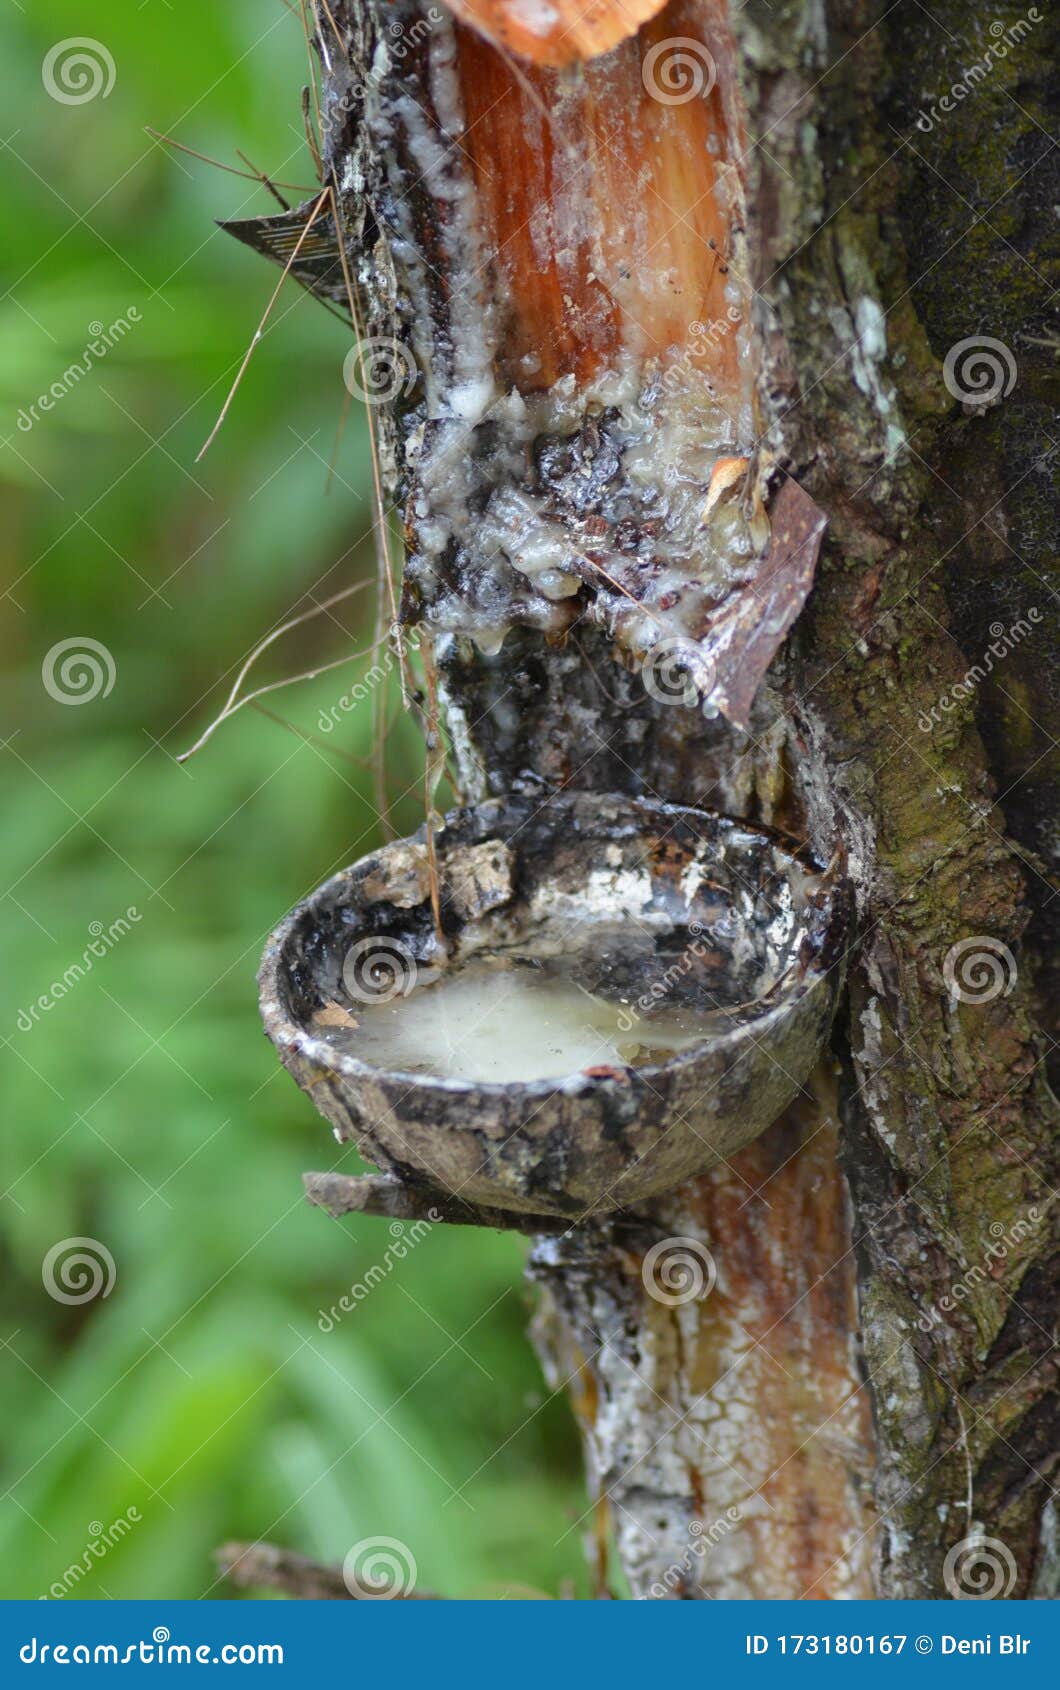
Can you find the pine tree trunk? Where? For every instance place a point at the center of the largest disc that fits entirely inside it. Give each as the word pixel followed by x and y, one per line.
pixel 870 1382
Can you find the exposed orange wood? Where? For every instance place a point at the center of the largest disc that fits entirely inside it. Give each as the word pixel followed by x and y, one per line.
pixel 609 210
pixel 556 32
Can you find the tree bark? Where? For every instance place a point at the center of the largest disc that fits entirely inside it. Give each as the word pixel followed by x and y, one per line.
pixel 869 1388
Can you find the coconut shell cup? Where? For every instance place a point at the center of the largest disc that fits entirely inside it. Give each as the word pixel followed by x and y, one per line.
pixel 608 1137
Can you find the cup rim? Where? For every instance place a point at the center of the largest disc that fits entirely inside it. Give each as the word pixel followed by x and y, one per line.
pixel 780 1002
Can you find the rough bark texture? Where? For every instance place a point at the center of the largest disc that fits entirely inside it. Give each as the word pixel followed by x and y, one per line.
pixel 949 1134
pixel 884 1353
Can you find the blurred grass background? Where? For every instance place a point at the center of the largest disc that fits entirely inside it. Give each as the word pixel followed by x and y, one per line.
pixel 144 1109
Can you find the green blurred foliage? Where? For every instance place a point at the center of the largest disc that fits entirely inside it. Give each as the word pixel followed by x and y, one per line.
pixel 144 1108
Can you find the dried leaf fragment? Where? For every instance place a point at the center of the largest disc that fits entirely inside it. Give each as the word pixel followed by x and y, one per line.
pixel 333 1015
pixel 725 474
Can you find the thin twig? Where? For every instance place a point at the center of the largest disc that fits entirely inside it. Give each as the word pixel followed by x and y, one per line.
pixel 382 545
pixel 313 141
pixel 380 530
pixel 219 164
pixel 334 26
pixel 391 1199
pixel 266 181
pixel 361 763
pixel 272 686
pixel 313 215
pixel 286 627
pixel 230 705
pixel 382 1195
